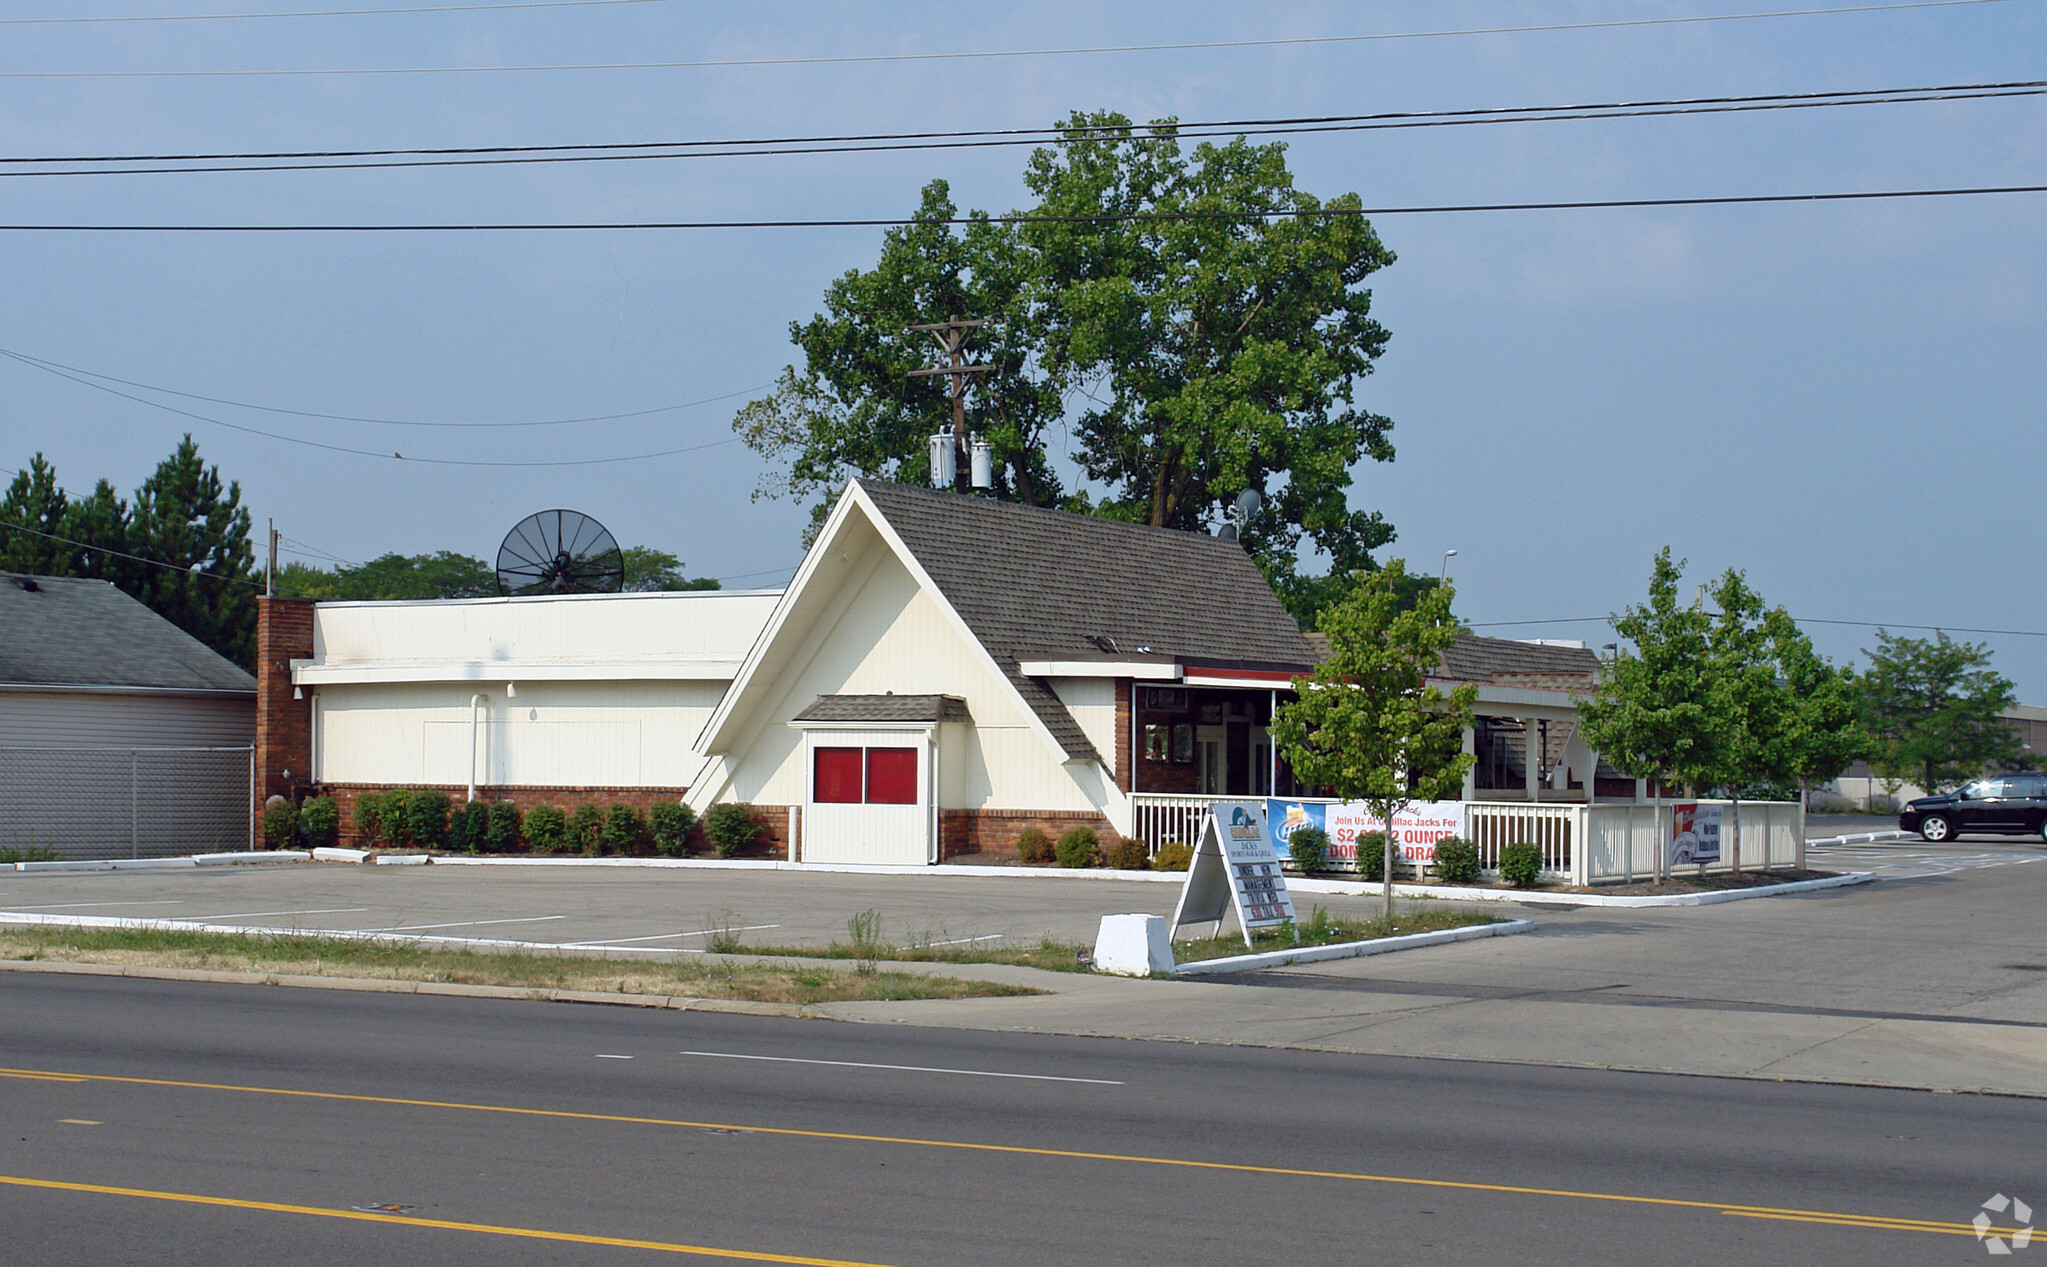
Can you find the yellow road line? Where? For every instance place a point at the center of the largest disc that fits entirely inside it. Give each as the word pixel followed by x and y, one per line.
pixel 1884 1222
pixel 491 1229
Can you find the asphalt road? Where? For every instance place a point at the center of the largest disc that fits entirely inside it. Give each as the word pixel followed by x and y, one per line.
pixel 171 1122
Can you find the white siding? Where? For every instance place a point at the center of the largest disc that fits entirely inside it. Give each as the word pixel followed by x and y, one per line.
pixel 552 734
pixel 1092 701
pixel 90 719
pixel 885 634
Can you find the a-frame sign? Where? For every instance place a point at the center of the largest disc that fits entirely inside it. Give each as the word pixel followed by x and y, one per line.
pixel 1234 866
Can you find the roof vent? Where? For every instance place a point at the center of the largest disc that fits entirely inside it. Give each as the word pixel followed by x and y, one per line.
pixel 28 583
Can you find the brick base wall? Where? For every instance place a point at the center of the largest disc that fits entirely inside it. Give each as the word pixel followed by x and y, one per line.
pixel 774 843
pixel 992 833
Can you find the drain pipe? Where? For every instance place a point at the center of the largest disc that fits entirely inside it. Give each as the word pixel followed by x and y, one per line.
pixel 474 701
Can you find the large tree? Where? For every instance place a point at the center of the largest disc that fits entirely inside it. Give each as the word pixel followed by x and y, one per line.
pixel 1823 732
pixel 1196 323
pixel 1655 715
pixel 1931 708
pixel 1366 724
pixel 448 574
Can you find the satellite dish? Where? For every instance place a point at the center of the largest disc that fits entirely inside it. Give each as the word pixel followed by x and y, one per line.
pixel 1248 502
pixel 560 552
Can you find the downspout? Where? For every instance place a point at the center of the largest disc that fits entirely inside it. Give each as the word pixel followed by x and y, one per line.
pixel 475 701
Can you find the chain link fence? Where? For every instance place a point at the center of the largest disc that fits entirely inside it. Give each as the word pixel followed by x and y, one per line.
pixel 93 803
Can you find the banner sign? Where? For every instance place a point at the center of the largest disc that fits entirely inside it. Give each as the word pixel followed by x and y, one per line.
pixel 1694 834
pixel 1416 829
pixel 1234 866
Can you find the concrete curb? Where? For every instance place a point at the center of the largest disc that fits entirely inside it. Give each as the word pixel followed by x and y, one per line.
pixel 107 864
pixel 255 857
pixel 1350 949
pixel 1544 897
pixel 370 985
pixel 328 853
pixel 1863 838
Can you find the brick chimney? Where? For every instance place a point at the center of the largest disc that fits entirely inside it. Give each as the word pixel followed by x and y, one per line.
pixel 284 725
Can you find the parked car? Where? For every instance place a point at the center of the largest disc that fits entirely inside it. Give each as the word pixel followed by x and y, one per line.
pixel 2010 804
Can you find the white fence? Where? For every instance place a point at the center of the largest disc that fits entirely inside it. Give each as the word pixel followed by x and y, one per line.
pixel 1581 844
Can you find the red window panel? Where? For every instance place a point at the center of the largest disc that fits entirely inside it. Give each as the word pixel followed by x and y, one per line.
pixel 891 776
pixel 838 776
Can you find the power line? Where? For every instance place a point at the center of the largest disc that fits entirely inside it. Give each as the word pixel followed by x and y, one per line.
pixel 41 363
pixel 321 13
pixel 1803 620
pixel 135 558
pixel 993 54
pixel 368 453
pixel 880 143
pixel 884 222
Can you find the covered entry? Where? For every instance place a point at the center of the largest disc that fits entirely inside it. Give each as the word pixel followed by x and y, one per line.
pixel 871 767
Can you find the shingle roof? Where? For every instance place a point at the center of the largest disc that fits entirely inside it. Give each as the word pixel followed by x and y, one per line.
pixel 70 632
pixel 1504 661
pixel 1035 584
pixel 885 708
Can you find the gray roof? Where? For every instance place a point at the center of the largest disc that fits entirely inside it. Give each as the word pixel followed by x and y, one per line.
pixel 885 708
pixel 71 632
pixel 1502 660
pixel 1036 584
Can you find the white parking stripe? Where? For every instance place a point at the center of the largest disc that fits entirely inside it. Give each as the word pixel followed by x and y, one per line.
pixel 858 1064
pixel 701 932
pixel 62 906
pixel 337 910
pixel 466 923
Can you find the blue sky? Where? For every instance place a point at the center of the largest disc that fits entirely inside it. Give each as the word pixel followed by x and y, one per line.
pixel 1842 399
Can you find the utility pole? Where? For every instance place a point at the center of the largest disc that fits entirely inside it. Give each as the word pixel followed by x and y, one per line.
pixel 270 576
pixel 951 337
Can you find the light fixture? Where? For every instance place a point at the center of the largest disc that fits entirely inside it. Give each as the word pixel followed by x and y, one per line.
pixel 511 690
pixel 1444 575
pixel 298 692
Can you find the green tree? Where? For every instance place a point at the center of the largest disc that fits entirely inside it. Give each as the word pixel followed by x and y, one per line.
pixel 1215 353
pixel 441 574
pixel 1655 715
pixel 1366 724
pixel 1931 707
pixel 99 523
pixel 648 570
pixel 32 516
pixel 1823 732
pixel 183 516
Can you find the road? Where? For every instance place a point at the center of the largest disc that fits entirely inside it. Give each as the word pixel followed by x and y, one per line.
pixel 172 1122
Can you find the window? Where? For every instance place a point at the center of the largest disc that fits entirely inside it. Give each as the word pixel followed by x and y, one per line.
pixel 838 776
pixel 891 776
pixel 872 776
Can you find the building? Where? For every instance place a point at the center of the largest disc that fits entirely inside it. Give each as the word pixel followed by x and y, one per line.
pixel 121 735
pixel 942 673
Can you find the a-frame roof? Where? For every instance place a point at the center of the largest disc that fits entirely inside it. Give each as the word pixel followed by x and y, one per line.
pixel 71 632
pixel 1036 584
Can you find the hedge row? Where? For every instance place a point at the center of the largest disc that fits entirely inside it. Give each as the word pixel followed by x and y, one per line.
pixel 407 818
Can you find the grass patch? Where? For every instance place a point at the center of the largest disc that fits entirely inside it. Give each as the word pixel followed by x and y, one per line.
pixel 314 956
pixel 1323 929
pixel 866 946
pixel 27 853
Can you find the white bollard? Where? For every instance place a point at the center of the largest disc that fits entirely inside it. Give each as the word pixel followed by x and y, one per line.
pixel 1133 945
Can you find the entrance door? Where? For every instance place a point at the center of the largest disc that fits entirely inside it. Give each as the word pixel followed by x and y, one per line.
pixel 869 801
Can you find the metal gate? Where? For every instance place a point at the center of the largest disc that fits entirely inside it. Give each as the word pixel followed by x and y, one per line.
pixel 93 803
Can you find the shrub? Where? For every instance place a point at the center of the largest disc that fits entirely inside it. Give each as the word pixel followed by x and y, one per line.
pixel 624 830
pixel 1372 855
pixel 1174 855
pixel 369 817
pixel 546 828
pixel 1078 848
pixel 1308 847
pixel 280 822
pixel 585 826
pixel 1520 864
pixel 1034 847
pixel 672 822
pixel 427 812
pixel 731 827
pixel 469 825
pixel 502 834
pixel 320 821
pixel 1130 854
pixel 397 817
pixel 1456 860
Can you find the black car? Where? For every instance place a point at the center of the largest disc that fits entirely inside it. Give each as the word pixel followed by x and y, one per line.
pixel 2012 804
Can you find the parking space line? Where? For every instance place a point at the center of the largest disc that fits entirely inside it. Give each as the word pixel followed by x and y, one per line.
pixel 62 906
pixel 701 932
pixel 335 910
pixel 464 923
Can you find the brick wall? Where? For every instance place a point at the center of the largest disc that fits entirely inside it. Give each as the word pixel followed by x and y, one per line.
pixel 1167 775
pixel 992 833
pixel 284 726
pixel 1123 704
